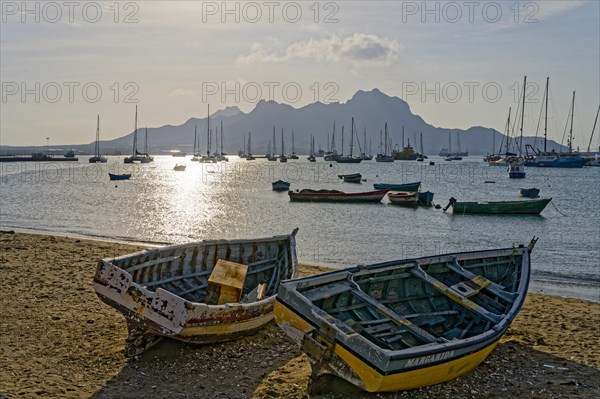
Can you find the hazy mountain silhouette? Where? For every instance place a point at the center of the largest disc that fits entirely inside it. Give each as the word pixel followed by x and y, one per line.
pixel 371 110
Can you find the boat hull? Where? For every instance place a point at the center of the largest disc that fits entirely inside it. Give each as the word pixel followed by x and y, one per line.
pixel 425 198
pixel 280 185
pixel 408 187
pixel 310 310
pixel 119 177
pixel 408 199
pixel 329 196
pixel 161 291
pixel 534 207
pixel 529 192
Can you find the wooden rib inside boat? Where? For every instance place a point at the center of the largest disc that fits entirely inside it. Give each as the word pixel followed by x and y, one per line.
pixel 163 292
pixel 405 324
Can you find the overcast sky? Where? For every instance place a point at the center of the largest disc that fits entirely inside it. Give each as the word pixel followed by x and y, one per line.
pixel 457 64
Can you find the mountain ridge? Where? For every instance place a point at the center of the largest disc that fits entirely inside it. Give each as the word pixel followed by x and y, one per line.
pixel 370 110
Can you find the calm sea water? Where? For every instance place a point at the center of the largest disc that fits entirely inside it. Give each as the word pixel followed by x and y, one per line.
pixel 234 200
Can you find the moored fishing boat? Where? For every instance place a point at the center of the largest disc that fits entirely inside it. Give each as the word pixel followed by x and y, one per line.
pixel 405 324
pixel 336 196
pixel 162 292
pixel 516 170
pixel 408 187
pixel 179 168
pixel 425 198
pixel 404 199
pixel 351 178
pixel 113 176
pixel 280 185
pixel 526 207
pixel 529 192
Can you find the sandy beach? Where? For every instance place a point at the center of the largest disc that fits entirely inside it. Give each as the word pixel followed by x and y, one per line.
pixel 59 340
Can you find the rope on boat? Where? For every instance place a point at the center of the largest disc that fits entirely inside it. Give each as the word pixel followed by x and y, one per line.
pixel 557 209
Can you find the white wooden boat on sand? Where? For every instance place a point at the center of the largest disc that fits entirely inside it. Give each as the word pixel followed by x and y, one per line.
pixel 162 292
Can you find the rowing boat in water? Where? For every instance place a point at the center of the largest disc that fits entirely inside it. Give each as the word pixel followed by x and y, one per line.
pixel 404 324
pixel 404 199
pixel 280 185
pixel 529 192
pixel 351 178
pixel 336 196
pixel 408 187
pixel 526 207
pixel 113 176
pixel 163 292
pixel 425 198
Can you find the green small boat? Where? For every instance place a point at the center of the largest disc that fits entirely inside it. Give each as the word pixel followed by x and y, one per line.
pixel 529 207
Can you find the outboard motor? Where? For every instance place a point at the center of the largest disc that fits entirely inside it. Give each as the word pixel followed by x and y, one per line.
pixel 451 202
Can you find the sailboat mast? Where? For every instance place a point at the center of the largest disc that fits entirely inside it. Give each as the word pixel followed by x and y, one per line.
pixel 208 132
pixel 593 129
pixel 221 137
pixel 195 139
pixel 421 144
pixel 449 143
pixel 332 149
pixel 249 143
pixel 380 142
pixel 282 144
pixel 293 145
pixel 97 149
pixel 365 139
pixel 342 140
pixel 546 116
pixel 522 116
pixel 571 129
pixel 402 137
pixel 351 137
pixel 274 142
pixel 135 134
pixel 244 144
pixel 386 139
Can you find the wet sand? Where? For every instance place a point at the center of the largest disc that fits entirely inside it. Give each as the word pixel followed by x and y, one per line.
pixel 57 339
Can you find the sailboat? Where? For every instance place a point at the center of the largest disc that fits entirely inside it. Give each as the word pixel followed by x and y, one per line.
pixel 97 158
pixel 384 157
pixel 249 156
pixel 221 156
pixel 516 166
pixel 311 157
pixel 146 158
pixel 555 159
pixel 421 156
pixel 282 158
pixel 271 155
pixel 134 152
pixel 363 154
pixel 593 160
pixel 350 158
pixel 242 153
pixel 458 155
pixel 196 156
pixel 208 158
pixel 331 154
pixel 293 154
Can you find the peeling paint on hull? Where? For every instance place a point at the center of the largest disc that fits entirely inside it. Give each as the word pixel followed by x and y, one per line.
pixel 160 291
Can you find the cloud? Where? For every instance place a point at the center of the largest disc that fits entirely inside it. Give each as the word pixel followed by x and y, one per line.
pixel 360 49
pixel 530 13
